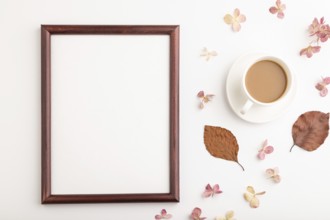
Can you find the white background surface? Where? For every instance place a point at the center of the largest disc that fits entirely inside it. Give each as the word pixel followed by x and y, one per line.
pixel 106 130
pixel 304 191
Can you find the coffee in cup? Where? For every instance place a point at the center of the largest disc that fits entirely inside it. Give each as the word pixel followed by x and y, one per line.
pixel 266 81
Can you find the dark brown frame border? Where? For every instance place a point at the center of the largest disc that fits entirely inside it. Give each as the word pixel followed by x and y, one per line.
pixel 46 32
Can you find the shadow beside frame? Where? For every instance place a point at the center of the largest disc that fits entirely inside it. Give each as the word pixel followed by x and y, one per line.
pixel 64 151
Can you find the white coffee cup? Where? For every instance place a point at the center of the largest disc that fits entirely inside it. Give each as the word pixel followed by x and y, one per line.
pixel 266 81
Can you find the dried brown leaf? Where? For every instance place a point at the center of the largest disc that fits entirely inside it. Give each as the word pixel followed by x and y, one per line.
pixel 221 143
pixel 310 130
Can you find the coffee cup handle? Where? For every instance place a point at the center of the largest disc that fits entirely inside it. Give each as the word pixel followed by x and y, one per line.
pixel 248 104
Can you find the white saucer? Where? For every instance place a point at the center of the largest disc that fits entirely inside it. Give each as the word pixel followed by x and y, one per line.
pixel 236 97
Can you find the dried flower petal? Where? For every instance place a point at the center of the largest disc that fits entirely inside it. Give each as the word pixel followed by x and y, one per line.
pixel 200 94
pixel 196 213
pixel 211 191
pixel 251 197
pixel 322 86
pixel 266 149
pixel 208 54
pixel 204 98
pixel 321 31
pixel 235 20
pixel 254 202
pixel 228 19
pixel 163 215
pixel 229 216
pixel 279 8
pixel 250 189
pixel 314 28
pixel 273 173
pixel 310 50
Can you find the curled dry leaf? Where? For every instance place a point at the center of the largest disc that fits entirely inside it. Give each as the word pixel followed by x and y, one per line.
pixel 221 143
pixel 310 130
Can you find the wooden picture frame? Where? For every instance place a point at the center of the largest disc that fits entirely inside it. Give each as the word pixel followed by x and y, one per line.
pixel 76 69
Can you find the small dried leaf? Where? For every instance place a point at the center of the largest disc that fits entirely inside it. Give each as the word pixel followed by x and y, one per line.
pixel 310 130
pixel 221 143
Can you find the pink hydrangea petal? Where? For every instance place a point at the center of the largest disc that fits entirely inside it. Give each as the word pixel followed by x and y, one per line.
pixel 315 22
pixel 236 13
pixel 236 26
pixel 273 10
pixel 319 86
pixel 163 212
pixel 303 51
pixel 324 38
pixel 196 212
pixel 261 155
pixel 216 189
pixel 282 7
pixel 277 178
pixel 309 53
pixel 316 49
pixel 200 94
pixel 326 80
pixel 278 3
pixel 324 92
pixel 241 18
pixel 265 143
pixel 280 14
pixel 269 149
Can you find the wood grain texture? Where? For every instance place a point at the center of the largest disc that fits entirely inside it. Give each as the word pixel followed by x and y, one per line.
pixel 46 31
